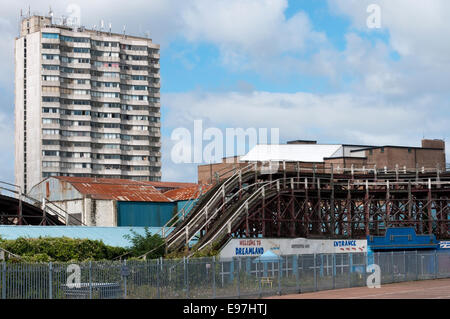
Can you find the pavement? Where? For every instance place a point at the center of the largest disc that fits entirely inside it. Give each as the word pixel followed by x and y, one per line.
pixel 426 289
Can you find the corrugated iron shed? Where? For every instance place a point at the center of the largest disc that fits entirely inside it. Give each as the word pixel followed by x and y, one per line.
pixel 116 189
pixel 187 193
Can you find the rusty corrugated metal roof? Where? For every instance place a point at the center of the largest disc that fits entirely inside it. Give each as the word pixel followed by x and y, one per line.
pixel 187 193
pixel 117 189
pixel 172 185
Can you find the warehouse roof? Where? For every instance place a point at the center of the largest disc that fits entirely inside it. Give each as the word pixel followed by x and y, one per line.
pixel 291 152
pixel 187 193
pixel 164 186
pixel 117 189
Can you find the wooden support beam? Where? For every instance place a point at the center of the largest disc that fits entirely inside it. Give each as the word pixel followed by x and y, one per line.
pixel 349 212
pixel 366 210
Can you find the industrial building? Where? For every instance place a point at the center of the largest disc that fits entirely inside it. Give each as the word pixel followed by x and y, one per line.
pixel 116 202
pixel 87 103
pixel 340 157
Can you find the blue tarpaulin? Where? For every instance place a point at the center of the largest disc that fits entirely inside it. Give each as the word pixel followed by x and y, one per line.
pixel 268 257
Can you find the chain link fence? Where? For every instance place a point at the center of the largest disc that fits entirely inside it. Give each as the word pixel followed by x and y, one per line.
pixel 246 277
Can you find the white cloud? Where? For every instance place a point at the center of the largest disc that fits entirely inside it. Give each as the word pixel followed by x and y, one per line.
pixel 253 29
pixel 417 28
pixel 7 147
pixel 333 117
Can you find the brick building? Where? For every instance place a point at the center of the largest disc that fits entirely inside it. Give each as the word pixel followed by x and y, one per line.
pixel 308 154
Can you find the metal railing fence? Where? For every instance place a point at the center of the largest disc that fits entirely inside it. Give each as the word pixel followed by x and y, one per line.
pixel 243 277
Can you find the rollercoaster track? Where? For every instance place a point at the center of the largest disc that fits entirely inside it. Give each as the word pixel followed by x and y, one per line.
pixel 362 201
pixel 30 215
pixel 51 215
pixel 214 197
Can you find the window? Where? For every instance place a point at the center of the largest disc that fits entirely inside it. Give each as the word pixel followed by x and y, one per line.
pixel 81 92
pixel 135 97
pixel 50 99
pixel 50 46
pixel 111 146
pixel 50 153
pixel 51 78
pixel 50 121
pixel 50 57
pixel 139 77
pixel 65 59
pixel 81 50
pixel 72 39
pixel 50 142
pixel 50 132
pixel 50 36
pixel 49 110
pixel 50 164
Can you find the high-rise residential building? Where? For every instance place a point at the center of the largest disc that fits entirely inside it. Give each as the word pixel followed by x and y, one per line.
pixel 87 104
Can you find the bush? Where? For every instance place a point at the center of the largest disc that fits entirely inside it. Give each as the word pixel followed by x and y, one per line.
pixel 64 249
pixel 152 245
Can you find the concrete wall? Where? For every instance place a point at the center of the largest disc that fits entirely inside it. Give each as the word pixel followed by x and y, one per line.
pixel 33 110
pixel 101 213
pixel 91 212
pixel 34 122
pixel 18 113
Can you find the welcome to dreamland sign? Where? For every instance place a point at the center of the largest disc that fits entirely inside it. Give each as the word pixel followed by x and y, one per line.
pixel 297 246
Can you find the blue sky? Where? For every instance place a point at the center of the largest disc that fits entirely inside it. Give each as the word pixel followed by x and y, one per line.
pixel 311 68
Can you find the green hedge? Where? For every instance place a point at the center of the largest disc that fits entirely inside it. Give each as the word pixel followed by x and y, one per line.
pixel 63 249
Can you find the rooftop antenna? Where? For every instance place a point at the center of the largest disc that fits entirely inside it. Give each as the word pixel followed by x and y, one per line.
pixel 110 28
pixel 147 34
pixel 50 13
pixel 102 25
pixel 29 11
pixel 124 29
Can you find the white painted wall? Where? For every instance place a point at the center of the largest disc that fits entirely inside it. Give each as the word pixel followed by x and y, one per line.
pixel 93 212
pixel 105 213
